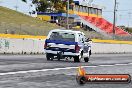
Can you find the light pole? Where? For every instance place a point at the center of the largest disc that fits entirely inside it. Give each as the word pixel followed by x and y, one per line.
pixel 67 14
pixel 114 20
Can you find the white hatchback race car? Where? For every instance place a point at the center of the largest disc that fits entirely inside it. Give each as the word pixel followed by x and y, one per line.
pixel 61 44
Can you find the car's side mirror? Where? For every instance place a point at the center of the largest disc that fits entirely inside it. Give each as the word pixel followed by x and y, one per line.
pixel 90 40
pixel 87 40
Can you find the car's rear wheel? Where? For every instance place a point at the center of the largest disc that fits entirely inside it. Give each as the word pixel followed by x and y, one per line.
pixel 90 52
pixel 86 59
pixel 49 56
pixel 78 58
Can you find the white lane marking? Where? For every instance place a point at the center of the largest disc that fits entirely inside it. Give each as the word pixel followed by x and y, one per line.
pixel 129 63
pixel 42 70
pixel 90 66
pixel 54 69
pixel 105 65
pixel 121 64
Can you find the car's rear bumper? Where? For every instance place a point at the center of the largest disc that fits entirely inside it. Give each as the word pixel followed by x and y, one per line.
pixel 64 53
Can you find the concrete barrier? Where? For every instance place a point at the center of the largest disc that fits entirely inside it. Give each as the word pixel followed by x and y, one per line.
pixel 35 46
pixel 111 48
pixel 21 46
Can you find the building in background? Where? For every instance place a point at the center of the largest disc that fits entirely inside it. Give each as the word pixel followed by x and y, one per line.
pixel 86 15
pixel 76 9
pixel 23 6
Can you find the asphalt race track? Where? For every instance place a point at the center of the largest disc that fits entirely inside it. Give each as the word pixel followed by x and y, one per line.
pixel 26 71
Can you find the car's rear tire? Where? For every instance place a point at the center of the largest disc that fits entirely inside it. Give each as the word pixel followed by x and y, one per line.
pixel 86 59
pixel 76 59
pixel 48 56
pixel 90 52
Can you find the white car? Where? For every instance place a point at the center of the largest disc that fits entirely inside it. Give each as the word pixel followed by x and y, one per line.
pixel 61 44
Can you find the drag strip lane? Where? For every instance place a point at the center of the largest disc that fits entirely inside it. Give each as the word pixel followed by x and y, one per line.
pixel 36 72
pixel 55 69
pixel 24 64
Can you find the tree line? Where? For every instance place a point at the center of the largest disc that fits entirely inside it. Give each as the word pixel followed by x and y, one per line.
pixel 50 5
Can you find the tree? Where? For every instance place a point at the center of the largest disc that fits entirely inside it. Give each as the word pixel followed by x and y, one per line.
pixel 58 5
pixel 41 5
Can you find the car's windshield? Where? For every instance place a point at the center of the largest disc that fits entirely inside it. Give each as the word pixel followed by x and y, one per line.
pixel 62 36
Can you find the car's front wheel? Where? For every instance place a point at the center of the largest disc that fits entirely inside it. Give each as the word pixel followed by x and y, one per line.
pixel 76 59
pixel 86 59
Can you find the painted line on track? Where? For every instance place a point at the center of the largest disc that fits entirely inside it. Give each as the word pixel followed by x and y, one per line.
pixel 105 65
pixel 129 63
pixel 121 64
pixel 42 70
pixel 55 69
pixel 90 66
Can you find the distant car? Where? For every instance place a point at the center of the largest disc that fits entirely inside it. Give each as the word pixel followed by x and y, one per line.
pixel 61 44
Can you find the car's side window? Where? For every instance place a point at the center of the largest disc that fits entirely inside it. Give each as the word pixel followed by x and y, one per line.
pixel 84 38
pixel 81 38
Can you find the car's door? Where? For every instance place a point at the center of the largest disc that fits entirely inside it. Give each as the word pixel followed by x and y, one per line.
pixel 86 44
pixel 81 41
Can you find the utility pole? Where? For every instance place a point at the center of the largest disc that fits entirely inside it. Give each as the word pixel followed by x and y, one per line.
pixel 67 14
pixel 114 20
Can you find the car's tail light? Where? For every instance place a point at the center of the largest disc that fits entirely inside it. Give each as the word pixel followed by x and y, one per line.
pixel 45 45
pixel 77 49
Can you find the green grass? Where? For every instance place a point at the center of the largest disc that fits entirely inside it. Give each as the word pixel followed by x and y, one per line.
pixel 18 23
pixel 129 30
pixel 14 22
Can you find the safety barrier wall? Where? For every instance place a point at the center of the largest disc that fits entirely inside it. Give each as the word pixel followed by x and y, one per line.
pixel 111 48
pixel 21 46
pixel 35 46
